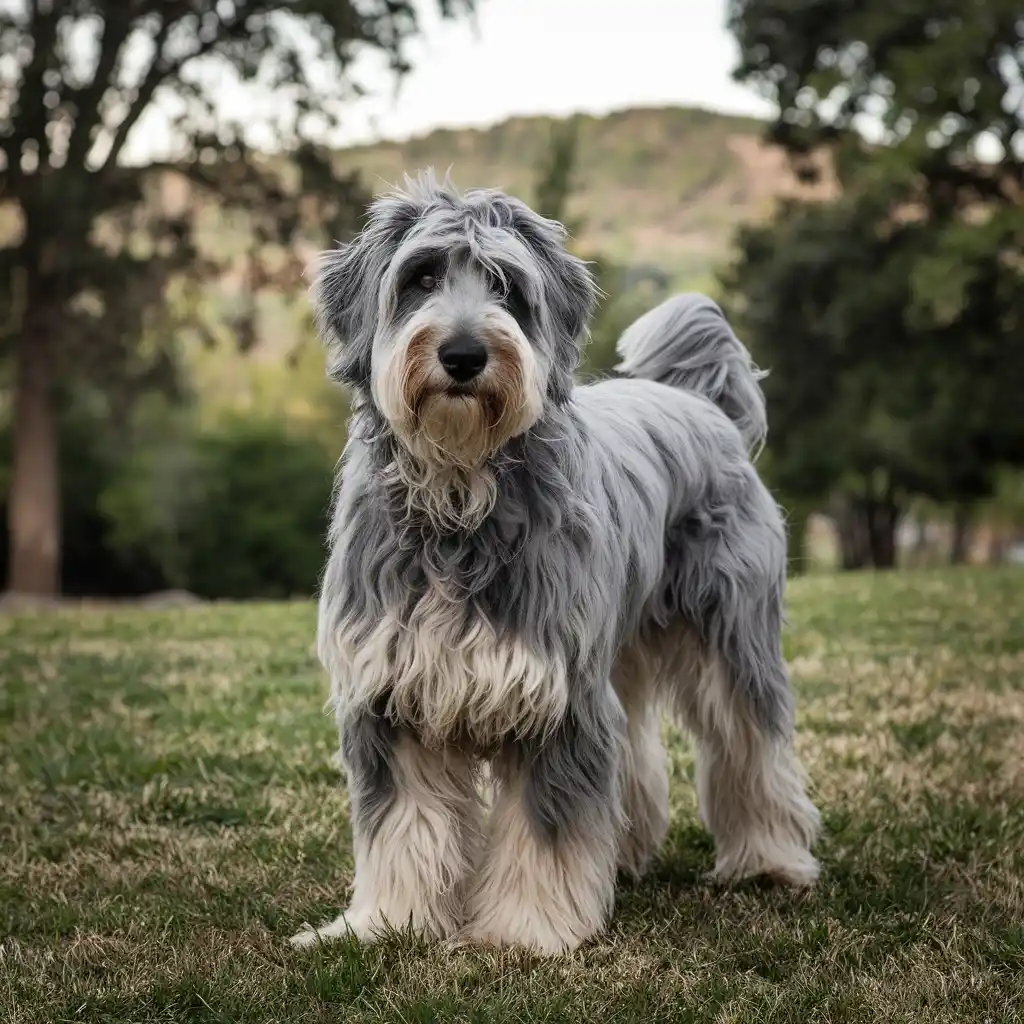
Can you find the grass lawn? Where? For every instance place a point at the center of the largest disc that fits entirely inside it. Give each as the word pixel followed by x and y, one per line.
pixel 169 815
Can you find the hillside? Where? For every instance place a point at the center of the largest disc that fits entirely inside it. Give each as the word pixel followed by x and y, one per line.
pixel 658 186
pixel 658 189
pixel 654 187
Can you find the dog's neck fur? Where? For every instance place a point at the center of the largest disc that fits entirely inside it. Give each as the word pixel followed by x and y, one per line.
pixel 450 499
pixel 453 498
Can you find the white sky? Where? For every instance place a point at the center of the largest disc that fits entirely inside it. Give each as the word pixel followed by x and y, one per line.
pixel 547 57
pixel 556 57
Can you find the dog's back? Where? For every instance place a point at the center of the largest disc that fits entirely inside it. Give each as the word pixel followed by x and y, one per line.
pixel 687 343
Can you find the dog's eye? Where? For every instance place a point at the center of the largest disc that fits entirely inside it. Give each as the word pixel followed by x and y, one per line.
pixel 515 302
pixel 511 296
pixel 422 278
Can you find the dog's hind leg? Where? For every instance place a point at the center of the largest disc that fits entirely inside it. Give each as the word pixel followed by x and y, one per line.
pixel 644 767
pixel 751 788
pixel 546 880
pixel 416 831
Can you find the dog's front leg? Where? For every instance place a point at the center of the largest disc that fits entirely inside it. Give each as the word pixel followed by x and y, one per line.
pixel 415 829
pixel 546 880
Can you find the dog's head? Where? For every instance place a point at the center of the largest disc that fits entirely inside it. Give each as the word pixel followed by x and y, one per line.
pixel 459 316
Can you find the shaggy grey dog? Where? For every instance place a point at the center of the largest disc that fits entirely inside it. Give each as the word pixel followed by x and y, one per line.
pixel 525 572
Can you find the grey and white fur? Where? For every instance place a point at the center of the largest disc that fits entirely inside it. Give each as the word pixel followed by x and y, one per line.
pixel 525 572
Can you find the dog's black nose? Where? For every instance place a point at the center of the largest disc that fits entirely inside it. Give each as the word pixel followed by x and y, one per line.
pixel 463 356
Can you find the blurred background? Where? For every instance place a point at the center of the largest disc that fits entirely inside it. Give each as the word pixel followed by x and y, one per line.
pixel 846 179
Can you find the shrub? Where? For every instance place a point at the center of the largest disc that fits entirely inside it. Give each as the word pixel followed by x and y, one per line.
pixel 235 511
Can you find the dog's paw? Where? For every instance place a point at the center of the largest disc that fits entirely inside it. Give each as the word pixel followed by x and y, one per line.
pixel 539 940
pixel 344 926
pixel 798 869
pixel 799 873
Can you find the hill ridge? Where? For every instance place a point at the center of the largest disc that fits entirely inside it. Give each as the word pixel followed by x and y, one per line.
pixel 662 186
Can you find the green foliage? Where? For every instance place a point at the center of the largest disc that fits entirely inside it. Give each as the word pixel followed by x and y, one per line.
pixel 158 487
pixel 933 75
pixel 90 461
pixel 259 527
pixel 236 510
pixel 236 507
pixel 1006 508
pixel 869 397
pixel 891 317
pixel 92 448
pixel 122 237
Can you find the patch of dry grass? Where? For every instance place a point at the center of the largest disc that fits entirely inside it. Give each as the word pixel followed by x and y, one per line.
pixel 169 814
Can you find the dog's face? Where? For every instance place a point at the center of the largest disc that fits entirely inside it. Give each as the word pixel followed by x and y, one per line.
pixel 458 316
pixel 455 373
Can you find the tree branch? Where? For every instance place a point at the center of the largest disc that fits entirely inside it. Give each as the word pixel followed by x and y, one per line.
pixel 160 70
pixel 113 35
pixel 29 119
pixel 156 73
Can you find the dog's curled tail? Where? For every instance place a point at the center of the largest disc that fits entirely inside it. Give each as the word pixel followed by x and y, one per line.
pixel 686 342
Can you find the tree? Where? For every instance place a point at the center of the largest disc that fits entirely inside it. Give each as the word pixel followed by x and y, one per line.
pixel 237 509
pixel 791 291
pixel 930 78
pixel 891 318
pixel 872 405
pixel 556 172
pixel 85 273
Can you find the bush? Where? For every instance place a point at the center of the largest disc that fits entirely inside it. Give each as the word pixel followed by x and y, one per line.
pixel 260 525
pixel 236 511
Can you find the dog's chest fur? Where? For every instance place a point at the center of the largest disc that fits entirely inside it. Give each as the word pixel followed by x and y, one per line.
pixel 447 677
pixel 462 636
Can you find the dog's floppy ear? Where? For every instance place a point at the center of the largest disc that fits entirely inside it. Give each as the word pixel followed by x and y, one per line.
pixel 570 294
pixel 346 285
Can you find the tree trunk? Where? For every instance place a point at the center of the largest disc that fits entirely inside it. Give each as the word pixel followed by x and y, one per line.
pixel 849 518
pixel 867 530
pixel 961 534
pixel 33 504
pixel 882 519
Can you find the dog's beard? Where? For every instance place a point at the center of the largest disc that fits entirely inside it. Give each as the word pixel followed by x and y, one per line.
pixel 449 432
pixel 459 429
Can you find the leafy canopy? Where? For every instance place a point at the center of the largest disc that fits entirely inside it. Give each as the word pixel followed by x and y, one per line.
pixel 892 317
